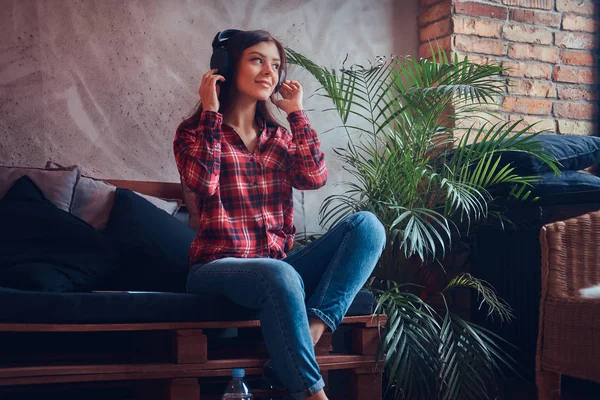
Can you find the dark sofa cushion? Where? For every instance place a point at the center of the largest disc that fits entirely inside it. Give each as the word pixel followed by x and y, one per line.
pixel 566 182
pixel 37 307
pixel 573 153
pixel 567 188
pixel 47 249
pixel 158 243
pixel 40 276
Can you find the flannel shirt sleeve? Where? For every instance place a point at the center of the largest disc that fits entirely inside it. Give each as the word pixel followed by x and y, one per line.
pixel 307 170
pixel 197 149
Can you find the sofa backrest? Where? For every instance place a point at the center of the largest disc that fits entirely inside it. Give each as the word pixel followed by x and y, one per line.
pixel 165 190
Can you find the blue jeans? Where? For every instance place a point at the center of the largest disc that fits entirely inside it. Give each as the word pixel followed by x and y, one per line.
pixel 319 280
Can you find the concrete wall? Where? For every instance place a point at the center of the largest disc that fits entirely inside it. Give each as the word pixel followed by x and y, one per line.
pixel 104 84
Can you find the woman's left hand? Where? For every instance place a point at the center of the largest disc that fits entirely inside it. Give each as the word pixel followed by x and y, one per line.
pixel 291 96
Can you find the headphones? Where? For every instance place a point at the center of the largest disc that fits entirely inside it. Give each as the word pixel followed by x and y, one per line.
pixel 222 59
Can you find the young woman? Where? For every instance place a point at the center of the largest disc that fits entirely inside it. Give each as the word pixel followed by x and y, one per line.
pixel 243 166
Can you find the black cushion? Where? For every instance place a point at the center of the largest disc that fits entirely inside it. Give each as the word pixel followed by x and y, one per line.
pixel 566 182
pixel 37 307
pixel 157 252
pixel 158 243
pixel 573 152
pixel 47 249
pixel 566 188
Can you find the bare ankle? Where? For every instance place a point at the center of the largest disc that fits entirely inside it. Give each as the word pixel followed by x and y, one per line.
pixel 317 328
pixel 320 395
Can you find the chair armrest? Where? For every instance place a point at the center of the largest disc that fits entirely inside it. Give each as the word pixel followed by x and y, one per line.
pixel 570 255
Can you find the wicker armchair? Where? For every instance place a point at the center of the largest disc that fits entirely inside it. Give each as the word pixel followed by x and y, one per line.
pixel 569 330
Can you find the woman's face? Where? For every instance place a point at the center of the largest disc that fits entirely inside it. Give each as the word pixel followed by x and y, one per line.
pixel 258 71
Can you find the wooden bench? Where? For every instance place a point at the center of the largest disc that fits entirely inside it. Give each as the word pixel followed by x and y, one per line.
pixel 171 361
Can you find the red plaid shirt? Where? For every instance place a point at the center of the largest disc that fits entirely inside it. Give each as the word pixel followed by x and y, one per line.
pixel 245 200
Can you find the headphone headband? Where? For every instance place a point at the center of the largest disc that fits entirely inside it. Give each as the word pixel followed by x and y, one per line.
pixel 223 36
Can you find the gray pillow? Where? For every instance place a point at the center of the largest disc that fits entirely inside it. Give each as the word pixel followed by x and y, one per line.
pixel 57 184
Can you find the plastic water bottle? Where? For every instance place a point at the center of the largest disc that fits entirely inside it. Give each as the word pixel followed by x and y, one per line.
pixel 237 388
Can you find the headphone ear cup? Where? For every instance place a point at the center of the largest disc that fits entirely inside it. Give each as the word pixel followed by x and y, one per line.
pixel 222 60
pixel 281 80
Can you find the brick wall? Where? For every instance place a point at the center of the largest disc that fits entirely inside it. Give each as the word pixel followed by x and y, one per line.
pixel 547 47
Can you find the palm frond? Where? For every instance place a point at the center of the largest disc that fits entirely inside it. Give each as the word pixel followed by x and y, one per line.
pixel 409 365
pixel 483 290
pixel 470 364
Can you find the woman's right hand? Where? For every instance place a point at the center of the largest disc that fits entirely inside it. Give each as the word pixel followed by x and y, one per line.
pixel 209 90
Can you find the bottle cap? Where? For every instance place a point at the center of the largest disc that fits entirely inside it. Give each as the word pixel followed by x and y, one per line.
pixel 238 373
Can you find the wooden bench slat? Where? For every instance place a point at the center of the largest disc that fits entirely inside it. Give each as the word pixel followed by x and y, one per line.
pixel 362 320
pixel 210 365
pixel 218 368
pixel 155 375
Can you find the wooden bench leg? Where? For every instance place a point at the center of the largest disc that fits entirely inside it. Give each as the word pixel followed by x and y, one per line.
pixel 182 389
pixel 365 341
pixel 189 346
pixel 548 385
pixel 324 345
pixel 365 384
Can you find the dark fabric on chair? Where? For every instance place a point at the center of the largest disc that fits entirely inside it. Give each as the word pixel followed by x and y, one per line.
pixel 516 274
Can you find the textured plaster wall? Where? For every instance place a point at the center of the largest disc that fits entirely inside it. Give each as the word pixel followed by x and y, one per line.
pixel 104 83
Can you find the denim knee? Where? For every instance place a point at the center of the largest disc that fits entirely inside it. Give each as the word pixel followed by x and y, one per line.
pixel 372 229
pixel 280 278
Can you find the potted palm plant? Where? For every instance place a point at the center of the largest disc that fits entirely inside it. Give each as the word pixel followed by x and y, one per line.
pixel 420 174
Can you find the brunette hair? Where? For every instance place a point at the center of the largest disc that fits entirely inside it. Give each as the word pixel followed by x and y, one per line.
pixel 236 45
